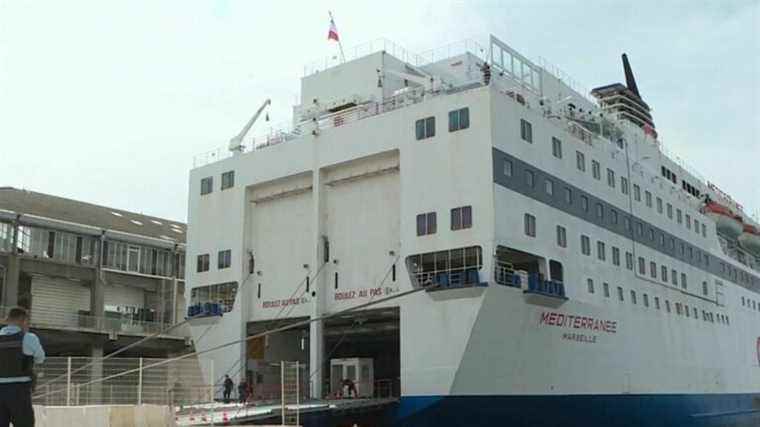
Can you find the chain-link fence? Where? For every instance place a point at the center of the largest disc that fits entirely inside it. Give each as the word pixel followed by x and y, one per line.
pixel 93 381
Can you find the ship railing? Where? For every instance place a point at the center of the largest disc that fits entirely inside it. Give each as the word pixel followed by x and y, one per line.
pixel 364 49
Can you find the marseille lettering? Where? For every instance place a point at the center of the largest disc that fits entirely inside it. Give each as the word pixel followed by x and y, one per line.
pixel 571 321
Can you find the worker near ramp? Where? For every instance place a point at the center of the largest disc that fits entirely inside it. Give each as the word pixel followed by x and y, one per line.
pixel 19 350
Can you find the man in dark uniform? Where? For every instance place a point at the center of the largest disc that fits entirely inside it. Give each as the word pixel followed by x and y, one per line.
pixel 19 350
pixel 227 388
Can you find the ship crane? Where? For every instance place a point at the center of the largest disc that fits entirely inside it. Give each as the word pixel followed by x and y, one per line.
pixel 236 143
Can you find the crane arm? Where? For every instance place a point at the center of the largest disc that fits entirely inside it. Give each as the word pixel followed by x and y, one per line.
pixel 236 143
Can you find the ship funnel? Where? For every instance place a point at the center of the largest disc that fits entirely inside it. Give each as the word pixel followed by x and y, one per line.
pixel 630 81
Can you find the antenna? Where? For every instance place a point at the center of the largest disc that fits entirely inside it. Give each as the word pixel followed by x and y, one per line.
pixel 630 81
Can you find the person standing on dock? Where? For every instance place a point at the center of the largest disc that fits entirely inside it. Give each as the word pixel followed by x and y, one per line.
pixel 19 350
pixel 227 388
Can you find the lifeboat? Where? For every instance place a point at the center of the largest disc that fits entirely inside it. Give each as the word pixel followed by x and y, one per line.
pixel 750 239
pixel 726 222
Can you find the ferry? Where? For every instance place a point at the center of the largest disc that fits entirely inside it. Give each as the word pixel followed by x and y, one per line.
pixel 571 270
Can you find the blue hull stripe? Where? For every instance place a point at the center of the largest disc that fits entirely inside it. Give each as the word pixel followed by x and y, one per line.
pixel 654 410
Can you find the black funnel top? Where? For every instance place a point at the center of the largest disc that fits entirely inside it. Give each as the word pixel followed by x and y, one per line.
pixel 630 81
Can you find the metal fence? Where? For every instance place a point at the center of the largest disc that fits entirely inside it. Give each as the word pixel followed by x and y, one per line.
pixel 93 381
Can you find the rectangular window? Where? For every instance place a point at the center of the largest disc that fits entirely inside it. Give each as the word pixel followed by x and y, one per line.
pixel 584 203
pixel 590 285
pixel 705 291
pixel 568 196
pixel 507 167
pixel 670 211
pixel 667 306
pixel 549 186
pixel 561 236
pixel 659 205
pixel 633 296
pixel 653 269
pixel 459 119
pixel 684 285
pixel 639 229
pixel 425 128
pixel 585 245
pixel 556 148
pixel 580 161
pixel 704 230
pixel 596 169
pixel 688 222
pixel 601 251
pixel 637 192
pixel 613 217
pixel 611 178
pixel 624 184
pixel 426 224
pixel 679 216
pixel 642 266
pixel 530 225
pixel 461 218
pixel 203 263
pixel 606 288
pixel 657 303
pixel 599 211
pixel 224 259
pixel 674 277
pixel 696 225
pixel 526 131
pixel 648 198
pixel 627 223
pixel 615 256
pixel 664 274
pixel 620 293
pixel 207 185
pixel 530 178
pixel 629 260
pixel 228 180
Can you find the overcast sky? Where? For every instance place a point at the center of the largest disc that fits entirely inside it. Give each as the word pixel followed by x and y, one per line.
pixel 108 102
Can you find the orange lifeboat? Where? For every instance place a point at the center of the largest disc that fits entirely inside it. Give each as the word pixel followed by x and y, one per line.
pixel 726 222
pixel 750 239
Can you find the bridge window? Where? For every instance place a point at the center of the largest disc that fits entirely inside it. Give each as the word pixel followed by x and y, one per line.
pixel 561 236
pixel 584 203
pixel 530 178
pixel 549 186
pixel 203 263
pixel 530 225
pixel 659 205
pixel 585 245
pixel 601 251
pixel 526 131
pixel 426 224
pixel 670 211
pixel 228 180
pixel 679 216
pixel 633 296
pixel 629 260
pixel 615 256
pixel 657 303
pixel 624 184
pixel 653 269
pixel 425 128
pixel 580 161
pixel 664 273
pixel 611 178
pixel 507 167
pixel 596 169
pixel 224 259
pixel 590 285
pixel 207 185
pixel 606 289
pixel 461 218
pixel 620 293
pixel 648 198
pixel 556 148
pixel 642 266
pixel 637 192
pixel 459 119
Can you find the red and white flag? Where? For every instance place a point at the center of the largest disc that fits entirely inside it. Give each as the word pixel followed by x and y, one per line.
pixel 332 33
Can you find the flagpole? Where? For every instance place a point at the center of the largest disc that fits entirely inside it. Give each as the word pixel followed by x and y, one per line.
pixel 340 44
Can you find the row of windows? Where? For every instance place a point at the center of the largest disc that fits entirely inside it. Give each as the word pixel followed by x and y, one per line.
pixel 612 216
pixel 461 218
pixel 224 260
pixel 207 184
pixel 526 133
pixel 529 222
pixel 750 303
pixel 680 308
pixel 458 120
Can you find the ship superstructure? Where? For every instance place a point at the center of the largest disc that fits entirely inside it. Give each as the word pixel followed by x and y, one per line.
pixel 576 274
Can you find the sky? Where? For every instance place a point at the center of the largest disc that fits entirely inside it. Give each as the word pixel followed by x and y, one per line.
pixel 109 101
